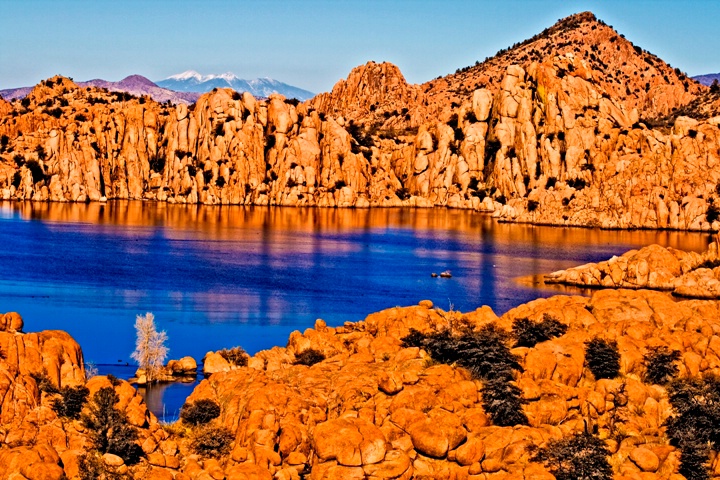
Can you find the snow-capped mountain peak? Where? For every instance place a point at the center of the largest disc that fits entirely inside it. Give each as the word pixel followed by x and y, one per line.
pixel 187 75
pixel 192 81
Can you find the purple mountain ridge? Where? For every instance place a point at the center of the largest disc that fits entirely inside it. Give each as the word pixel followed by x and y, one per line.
pixel 134 84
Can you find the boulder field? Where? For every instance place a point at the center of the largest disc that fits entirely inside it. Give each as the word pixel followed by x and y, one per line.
pixel 375 409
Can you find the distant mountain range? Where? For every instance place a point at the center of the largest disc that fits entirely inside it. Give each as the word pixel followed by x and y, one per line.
pixel 183 88
pixel 708 78
pixel 192 81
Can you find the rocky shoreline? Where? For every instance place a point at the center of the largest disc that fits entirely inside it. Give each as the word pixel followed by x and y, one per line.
pixel 372 408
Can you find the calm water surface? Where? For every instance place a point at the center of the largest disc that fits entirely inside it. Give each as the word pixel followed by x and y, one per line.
pixel 224 276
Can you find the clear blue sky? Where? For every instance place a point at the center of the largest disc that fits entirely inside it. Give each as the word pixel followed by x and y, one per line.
pixel 314 43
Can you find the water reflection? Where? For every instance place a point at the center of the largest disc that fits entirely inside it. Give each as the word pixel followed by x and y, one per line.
pixel 223 276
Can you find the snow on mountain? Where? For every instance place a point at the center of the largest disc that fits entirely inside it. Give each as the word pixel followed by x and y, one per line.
pixel 192 81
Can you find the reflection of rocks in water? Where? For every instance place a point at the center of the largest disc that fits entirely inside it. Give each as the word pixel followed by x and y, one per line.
pixel 538 282
pixel 165 399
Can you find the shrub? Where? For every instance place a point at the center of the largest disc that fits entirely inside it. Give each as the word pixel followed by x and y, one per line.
pixel 659 365
pixel 157 163
pixel 199 412
pixel 402 193
pixel 236 96
pixel 236 356
pixel 602 358
pixel 108 428
pixel 44 383
pixel 91 467
pixel 80 118
pixel 38 174
pixel 503 401
pixel 219 130
pixel 220 181
pixel 212 442
pixel 71 401
pixel 532 205
pixel 576 183
pixel 19 160
pixel 712 213
pixel 528 333
pixel 485 354
pixel 581 456
pixel 695 427
pixel 340 184
pixel 309 357
pixel 501 199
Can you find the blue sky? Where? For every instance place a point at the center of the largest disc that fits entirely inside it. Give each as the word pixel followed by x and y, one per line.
pixel 314 43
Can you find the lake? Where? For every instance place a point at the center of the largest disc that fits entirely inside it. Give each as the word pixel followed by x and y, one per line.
pixel 217 277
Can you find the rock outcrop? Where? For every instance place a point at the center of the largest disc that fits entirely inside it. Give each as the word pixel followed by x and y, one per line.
pixel 685 274
pixel 555 131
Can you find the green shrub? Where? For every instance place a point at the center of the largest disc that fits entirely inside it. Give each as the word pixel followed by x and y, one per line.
pixel 200 412
pixel 602 358
pixel 236 356
pixel 108 428
pixel 309 357
pixel 212 442
pixel 528 333
pixel 660 365
pixel 71 401
pixel 582 456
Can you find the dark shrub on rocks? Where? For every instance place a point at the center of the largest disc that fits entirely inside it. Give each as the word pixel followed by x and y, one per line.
pixel 212 442
pixel 582 456
pixel 528 333
pixel 309 357
pixel 695 426
pixel 236 356
pixel 71 401
pixel 108 427
pixel 602 358
pixel 486 355
pixel 660 365
pixel 200 412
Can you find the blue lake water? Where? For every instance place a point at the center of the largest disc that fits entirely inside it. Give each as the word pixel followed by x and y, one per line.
pixel 217 277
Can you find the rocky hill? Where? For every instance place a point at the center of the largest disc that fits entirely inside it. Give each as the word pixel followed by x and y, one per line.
pixel 540 134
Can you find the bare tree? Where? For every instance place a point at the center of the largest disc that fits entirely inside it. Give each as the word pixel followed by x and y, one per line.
pixel 150 350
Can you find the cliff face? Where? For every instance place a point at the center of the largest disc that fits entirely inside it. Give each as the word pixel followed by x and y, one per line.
pixel 552 139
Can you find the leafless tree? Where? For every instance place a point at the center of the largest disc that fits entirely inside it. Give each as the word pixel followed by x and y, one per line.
pixel 150 350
